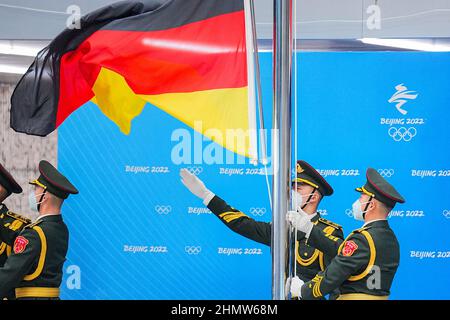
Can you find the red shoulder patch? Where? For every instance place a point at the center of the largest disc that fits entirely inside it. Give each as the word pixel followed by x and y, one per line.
pixel 20 244
pixel 349 248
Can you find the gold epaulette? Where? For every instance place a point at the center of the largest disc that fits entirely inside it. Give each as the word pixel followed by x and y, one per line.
pixel 31 225
pixel 331 224
pixel 18 217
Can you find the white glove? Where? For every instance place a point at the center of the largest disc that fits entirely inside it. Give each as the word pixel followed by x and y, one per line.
pixel 196 186
pixel 300 222
pixel 296 287
pixel 287 286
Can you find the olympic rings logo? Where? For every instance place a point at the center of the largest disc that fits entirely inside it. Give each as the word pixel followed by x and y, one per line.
pixel 163 209
pixel 446 213
pixel 257 211
pixel 399 134
pixel 195 170
pixel 349 212
pixel 386 173
pixel 192 250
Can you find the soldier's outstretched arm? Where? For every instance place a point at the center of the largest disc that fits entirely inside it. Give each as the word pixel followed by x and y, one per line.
pixel 234 219
pixel 241 223
pixel 327 240
pixel 351 259
pixel 26 251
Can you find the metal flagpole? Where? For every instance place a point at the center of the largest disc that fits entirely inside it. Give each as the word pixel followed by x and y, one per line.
pixel 281 143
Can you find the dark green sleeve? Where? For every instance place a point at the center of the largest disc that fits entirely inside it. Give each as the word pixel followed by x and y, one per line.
pixel 18 265
pixel 241 223
pixel 7 235
pixel 339 270
pixel 2 227
pixel 11 225
pixel 328 243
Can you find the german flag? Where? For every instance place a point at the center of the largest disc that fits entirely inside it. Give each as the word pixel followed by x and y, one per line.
pixel 186 57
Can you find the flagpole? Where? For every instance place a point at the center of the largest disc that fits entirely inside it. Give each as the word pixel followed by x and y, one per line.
pixel 281 143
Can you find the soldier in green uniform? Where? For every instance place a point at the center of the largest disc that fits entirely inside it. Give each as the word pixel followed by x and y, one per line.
pixel 309 187
pixel 10 223
pixel 369 257
pixel 34 267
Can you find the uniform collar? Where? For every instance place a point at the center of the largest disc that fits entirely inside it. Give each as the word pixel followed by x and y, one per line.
pixel 49 217
pixel 314 217
pixel 375 223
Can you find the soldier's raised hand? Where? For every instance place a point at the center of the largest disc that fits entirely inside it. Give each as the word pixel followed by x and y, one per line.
pixel 196 186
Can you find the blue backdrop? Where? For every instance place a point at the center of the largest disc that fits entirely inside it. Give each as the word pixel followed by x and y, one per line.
pixel 137 233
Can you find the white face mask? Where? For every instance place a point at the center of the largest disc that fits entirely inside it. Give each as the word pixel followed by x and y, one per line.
pixel 358 214
pixel 298 200
pixel 33 202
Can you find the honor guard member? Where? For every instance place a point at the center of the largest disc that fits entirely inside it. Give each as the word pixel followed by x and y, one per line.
pixel 34 267
pixel 308 189
pixel 10 223
pixel 369 257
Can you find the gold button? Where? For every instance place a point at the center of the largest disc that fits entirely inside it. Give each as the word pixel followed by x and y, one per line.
pixel 305 254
